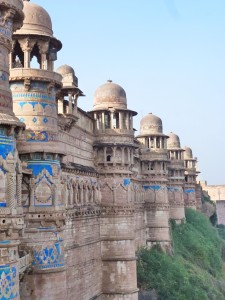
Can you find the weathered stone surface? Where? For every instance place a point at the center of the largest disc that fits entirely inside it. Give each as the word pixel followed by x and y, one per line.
pixel 79 194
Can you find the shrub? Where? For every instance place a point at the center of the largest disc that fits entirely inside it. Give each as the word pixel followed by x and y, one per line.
pixel 195 271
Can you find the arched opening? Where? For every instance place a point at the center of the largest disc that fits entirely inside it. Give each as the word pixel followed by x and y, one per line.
pixel 17 56
pixel 152 142
pixel 35 58
pixel 109 154
pixel 116 120
pixel 107 120
pixel 157 142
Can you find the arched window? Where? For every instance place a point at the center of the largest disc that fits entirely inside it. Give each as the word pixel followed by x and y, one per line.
pixel 17 56
pixel 35 58
pixel 116 120
pixel 107 120
pixel 157 142
pixel 108 158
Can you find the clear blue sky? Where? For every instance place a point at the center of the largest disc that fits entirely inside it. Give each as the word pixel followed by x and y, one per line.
pixel 168 55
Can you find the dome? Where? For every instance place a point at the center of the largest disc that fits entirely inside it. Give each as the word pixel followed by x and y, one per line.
pixel 110 95
pixel 173 141
pixel 36 22
pixel 65 70
pixel 151 124
pixel 187 153
pixel 69 80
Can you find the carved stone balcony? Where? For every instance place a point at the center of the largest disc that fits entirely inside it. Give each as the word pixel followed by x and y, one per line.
pixel 35 74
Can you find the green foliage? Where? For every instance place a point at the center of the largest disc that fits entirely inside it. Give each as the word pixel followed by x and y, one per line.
pixel 195 271
pixel 206 198
pixel 221 230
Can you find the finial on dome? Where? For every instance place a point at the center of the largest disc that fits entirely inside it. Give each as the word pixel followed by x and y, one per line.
pixel 109 80
pixel 26 0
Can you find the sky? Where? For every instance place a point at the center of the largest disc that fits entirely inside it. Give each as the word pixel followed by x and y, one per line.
pixel 168 55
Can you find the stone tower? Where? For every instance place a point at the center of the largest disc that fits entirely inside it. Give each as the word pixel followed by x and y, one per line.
pixel 67 98
pixel 113 153
pixel 154 166
pixel 190 174
pixel 34 85
pixel 176 178
pixel 11 215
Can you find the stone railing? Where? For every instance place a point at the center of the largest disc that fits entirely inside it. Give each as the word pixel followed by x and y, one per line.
pixel 21 73
pixel 176 164
pixel 24 262
pixel 114 131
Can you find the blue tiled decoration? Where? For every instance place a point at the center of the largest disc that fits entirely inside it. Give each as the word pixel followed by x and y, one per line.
pixel 9 287
pixel 45 120
pixel 189 191
pixel 33 103
pixel 7 143
pixel 37 136
pixel 49 257
pixel 173 189
pixel 3 76
pixel 35 85
pixel 152 187
pixel 32 95
pixel 126 181
pixel 38 166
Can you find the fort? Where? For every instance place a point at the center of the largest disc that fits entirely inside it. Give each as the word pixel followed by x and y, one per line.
pixel 79 192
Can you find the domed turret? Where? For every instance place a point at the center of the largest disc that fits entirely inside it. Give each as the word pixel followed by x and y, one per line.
pixel 65 70
pixel 151 124
pixel 37 21
pixel 68 76
pixel 187 153
pixel 173 141
pixel 70 90
pixel 110 95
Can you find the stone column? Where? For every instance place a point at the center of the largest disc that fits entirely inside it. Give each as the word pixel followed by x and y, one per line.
pixel 111 119
pixel 160 143
pixel 132 156
pixel 119 279
pixel 114 156
pixel 70 111
pixel 27 46
pixel 11 189
pixel 19 189
pixel 32 189
pixel 105 149
pixel 122 149
pixel 103 120
pixel 131 121
pixel 43 48
pixel 120 120
pixel 60 106
pixel 126 120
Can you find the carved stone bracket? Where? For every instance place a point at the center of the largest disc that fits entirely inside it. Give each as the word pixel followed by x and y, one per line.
pixel 66 122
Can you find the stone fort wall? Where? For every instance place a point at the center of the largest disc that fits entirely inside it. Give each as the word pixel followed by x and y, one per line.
pixel 216 194
pixel 79 193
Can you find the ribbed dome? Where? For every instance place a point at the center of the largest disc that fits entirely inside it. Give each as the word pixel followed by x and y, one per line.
pixel 187 153
pixel 65 70
pixel 110 95
pixel 151 124
pixel 173 141
pixel 37 21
